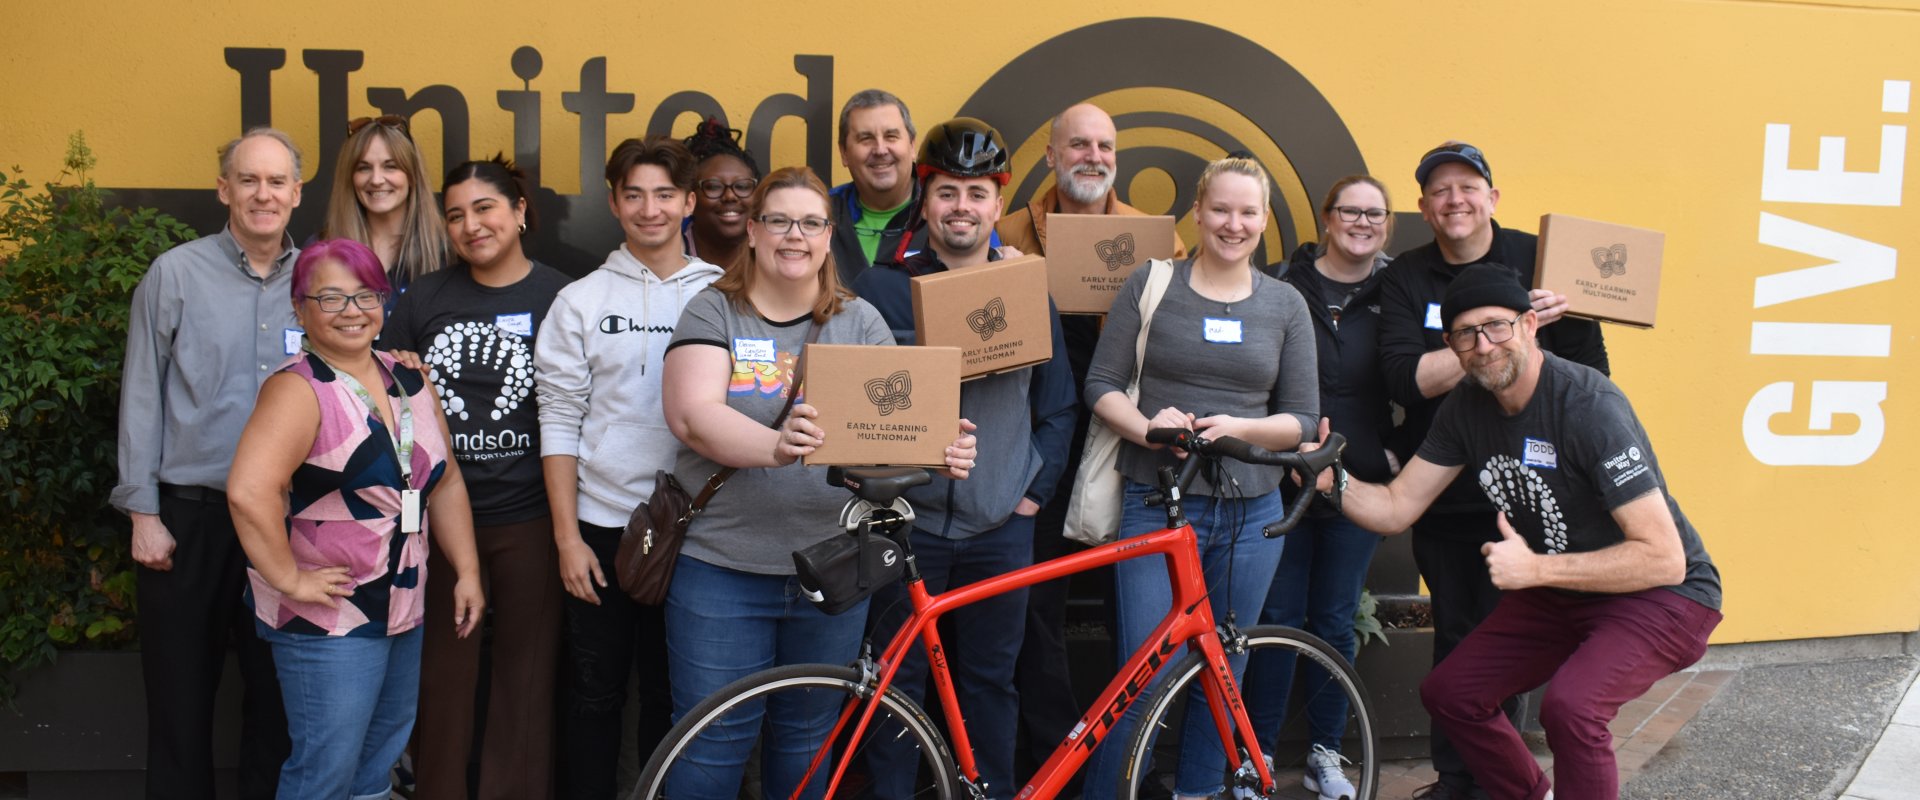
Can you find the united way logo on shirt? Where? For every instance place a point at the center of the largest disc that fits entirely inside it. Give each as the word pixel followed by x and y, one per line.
pixel 1526 498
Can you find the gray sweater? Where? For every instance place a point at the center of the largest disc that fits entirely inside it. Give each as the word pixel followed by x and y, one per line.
pixel 1272 369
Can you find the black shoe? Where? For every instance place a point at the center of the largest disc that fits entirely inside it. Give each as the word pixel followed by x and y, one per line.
pixel 1440 790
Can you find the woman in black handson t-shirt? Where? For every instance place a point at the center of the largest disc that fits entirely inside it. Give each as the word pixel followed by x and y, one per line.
pixel 472 326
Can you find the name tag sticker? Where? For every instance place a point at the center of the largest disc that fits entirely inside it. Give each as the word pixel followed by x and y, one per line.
pixel 1433 316
pixel 291 340
pixel 1222 331
pixel 520 324
pixel 760 350
pixel 1540 453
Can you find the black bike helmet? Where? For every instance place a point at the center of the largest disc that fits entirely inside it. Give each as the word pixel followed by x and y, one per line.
pixel 964 147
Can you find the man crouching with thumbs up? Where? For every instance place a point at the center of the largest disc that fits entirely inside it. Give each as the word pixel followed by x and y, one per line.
pixel 1607 587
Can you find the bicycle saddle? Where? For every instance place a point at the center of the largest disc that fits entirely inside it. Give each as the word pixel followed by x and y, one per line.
pixel 878 485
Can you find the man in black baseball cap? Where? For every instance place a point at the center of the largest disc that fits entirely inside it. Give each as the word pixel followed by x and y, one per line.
pixel 1607 586
pixel 1457 199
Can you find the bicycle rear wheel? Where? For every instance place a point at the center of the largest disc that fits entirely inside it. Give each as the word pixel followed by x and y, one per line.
pixel 758 737
pixel 1157 746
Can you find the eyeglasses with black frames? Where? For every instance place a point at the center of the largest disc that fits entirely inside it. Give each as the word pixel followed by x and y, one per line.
pixel 779 225
pixel 714 188
pixel 1497 332
pixel 334 303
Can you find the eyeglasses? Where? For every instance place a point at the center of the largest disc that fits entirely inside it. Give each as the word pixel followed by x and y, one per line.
pixel 336 303
pixel 714 188
pixel 1354 213
pixel 393 121
pixel 779 225
pixel 1497 331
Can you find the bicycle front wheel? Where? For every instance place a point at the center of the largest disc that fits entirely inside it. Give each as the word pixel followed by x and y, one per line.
pixel 772 733
pixel 1167 741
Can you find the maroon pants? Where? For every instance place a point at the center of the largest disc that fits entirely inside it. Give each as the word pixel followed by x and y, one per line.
pixel 1600 652
pixel 520 572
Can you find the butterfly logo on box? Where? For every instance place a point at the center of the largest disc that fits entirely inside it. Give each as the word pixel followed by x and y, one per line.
pixel 1117 252
pixel 1611 260
pixel 891 393
pixel 989 320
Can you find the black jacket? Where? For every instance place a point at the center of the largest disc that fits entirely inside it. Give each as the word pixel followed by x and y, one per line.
pixel 1413 288
pixel 1353 395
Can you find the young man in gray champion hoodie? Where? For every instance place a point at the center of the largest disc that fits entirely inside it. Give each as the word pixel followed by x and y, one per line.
pixel 969 531
pixel 602 437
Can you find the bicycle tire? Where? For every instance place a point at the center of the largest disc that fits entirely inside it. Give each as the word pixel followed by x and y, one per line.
pixel 748 696
pixel 1361 744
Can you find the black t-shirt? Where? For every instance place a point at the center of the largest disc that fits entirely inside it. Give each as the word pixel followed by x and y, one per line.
pixel 477 342
pixel 1563 464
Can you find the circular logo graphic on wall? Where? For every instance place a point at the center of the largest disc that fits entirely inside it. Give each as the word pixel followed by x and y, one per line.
pixel 1156 77
pixel 465 346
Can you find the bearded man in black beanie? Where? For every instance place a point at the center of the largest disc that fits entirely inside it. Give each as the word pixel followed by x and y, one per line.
pixel 1606 585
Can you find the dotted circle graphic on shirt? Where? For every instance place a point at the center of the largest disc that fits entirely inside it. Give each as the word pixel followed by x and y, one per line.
pixel 1512 485
pixel 469 345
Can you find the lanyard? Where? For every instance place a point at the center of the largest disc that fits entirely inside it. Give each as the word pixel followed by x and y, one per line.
pixel 403 444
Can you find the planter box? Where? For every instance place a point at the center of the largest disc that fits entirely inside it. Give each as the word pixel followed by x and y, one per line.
pixel 79 727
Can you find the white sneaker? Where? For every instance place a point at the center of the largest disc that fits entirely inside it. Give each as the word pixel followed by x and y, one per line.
pixel 1325 776
pixel 1242 788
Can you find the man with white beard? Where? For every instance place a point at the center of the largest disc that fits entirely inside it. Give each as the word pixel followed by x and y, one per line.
pixel 1082 152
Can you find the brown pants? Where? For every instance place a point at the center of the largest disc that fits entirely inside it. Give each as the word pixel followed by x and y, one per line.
pixel 520 573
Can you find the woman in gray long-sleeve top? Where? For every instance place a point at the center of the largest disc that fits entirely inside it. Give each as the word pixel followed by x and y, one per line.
pixel 1230 353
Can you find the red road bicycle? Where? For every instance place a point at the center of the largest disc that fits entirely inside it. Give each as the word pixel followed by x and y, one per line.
pixel 828 715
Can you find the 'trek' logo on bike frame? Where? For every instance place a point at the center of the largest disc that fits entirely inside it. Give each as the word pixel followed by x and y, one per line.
pixel 1129 693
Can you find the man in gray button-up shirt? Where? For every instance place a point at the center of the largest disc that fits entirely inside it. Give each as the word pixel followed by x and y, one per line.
pixel 210 321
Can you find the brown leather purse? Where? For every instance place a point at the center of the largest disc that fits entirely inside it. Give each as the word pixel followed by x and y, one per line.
pixel 658 528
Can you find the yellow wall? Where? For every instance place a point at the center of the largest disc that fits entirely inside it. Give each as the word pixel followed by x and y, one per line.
pixel 1648 113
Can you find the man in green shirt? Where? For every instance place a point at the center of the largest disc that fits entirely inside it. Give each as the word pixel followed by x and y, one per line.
pixel 871 213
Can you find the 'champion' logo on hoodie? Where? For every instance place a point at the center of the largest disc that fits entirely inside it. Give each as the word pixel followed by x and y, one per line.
pixel 614 323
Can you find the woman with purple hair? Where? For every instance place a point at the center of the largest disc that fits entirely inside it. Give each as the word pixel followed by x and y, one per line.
pixel 339 472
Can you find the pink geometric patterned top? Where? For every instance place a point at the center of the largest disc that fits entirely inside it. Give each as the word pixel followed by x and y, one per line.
pixel 344 509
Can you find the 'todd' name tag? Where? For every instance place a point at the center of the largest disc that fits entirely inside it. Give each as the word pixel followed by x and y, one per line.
pixel 1222 331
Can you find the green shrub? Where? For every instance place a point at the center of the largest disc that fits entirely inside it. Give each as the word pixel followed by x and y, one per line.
pixel 68 265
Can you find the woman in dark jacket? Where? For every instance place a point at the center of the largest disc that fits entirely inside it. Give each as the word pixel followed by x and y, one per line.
pixel 1321 569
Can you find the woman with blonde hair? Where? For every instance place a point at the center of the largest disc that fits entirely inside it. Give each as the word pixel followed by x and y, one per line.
pixel 382 199
pixel 1230 352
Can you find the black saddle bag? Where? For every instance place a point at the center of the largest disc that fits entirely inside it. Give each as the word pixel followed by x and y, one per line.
pixel 844 570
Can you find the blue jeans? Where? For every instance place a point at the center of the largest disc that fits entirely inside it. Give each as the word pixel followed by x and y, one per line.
pixel 723 625
pixel 982 643
pixel 1317 588
pixel 1230 543
pixel 350 706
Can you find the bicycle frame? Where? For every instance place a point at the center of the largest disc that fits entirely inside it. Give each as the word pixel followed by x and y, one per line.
pixel 1189 621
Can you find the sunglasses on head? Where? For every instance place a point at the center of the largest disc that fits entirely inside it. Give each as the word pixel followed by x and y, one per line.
pixel 394 121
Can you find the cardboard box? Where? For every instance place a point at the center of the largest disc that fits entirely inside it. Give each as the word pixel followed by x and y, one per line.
pixel 996 313
pixel 1090 255
pixel 883 405
pixel 1608 272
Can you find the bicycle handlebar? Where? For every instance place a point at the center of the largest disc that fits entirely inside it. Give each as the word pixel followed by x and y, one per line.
pixel 1307 465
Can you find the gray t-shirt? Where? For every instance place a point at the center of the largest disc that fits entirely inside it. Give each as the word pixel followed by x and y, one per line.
pixel 1250 358
pixel 1563 464
pixel 762 515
